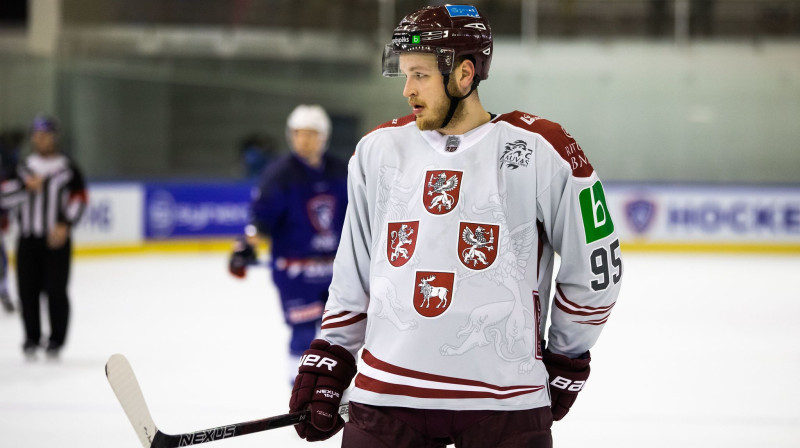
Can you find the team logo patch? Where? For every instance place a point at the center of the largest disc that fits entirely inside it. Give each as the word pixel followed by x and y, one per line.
pixel 476 244
pixel 597 222
pixel 320 211
pixel 402 240
pixel 641 214
pixel 433 293
pixel 515 154
pixel 452 143
pixel 442 189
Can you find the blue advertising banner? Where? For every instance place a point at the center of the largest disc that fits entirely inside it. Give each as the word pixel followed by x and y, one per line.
pixel 689 216
pixel 196 209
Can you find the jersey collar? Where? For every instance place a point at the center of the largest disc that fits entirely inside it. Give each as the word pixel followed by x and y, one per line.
pixel 439 142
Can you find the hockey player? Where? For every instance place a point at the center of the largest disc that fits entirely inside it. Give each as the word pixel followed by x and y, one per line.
pixel 300 204
pixel 442 280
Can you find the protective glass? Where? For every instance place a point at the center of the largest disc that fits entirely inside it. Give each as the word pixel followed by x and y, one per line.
pixel 391 58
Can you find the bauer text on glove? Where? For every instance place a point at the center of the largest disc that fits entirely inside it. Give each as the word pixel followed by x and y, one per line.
pixel 325 372
pixel 567 377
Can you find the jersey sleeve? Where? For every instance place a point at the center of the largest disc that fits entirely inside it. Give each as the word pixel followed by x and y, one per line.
pixel 268 203
pixel 74 198
pixel 12 191
pixel 345 319
pixel 577 223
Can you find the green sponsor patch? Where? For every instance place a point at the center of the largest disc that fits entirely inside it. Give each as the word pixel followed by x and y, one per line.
pixel 597 222
pixel 415 39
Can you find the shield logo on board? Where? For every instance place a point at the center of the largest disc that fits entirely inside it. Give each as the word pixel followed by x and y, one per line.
pixel 476 244
pixel 640 214
pixel 442 188
pixel 433 293
pixel 401 242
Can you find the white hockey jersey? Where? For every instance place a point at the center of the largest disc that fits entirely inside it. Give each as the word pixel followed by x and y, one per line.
pixel 444 271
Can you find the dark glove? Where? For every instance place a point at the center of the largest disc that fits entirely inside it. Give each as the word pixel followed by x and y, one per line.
pixel 567 377
pixel 325 372
pixel 244 254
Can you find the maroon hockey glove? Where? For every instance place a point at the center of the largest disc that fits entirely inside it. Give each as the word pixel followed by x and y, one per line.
pixel 325 372
pixel 244 254
pixel 567 377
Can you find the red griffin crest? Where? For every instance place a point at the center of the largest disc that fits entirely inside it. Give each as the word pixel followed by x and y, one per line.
pixel 477 244
pixel 442 189
pixel 401 242
pixel 433 292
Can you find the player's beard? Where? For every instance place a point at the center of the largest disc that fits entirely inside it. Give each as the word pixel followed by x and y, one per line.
pixel 437 114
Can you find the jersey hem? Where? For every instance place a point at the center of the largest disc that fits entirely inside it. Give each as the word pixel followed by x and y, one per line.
pixel 365 397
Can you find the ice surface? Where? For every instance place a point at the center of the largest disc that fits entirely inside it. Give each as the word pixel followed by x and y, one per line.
pixel 700 351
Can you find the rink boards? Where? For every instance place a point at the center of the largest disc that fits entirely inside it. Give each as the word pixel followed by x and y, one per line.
pixel 135 216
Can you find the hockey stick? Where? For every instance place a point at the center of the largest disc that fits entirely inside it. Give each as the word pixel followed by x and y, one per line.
pixel 126 388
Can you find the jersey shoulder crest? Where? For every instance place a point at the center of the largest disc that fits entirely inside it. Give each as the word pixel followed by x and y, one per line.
pixel 566 146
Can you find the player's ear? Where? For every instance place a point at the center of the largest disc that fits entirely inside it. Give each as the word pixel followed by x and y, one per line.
pixel 465 73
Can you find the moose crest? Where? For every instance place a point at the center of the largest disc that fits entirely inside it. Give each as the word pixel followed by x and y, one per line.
pixel 433 295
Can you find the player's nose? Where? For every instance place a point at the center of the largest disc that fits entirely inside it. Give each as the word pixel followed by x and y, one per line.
pixel 408 89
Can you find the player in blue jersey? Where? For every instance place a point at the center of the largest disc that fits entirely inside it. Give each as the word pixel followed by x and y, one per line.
pixel 299 204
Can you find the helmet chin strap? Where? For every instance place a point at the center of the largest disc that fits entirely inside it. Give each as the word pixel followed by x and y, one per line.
pixel 455 100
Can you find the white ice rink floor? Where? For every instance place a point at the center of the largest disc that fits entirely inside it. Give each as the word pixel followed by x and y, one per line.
pixel 701 351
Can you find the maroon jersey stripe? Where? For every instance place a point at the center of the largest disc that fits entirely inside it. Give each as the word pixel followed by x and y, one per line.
pixel 344 323
pixel 593 322
pixel 335 316
pixel 563 308
pixel 376 363
pixel 582 310
pixel 370 384
pixel 540 251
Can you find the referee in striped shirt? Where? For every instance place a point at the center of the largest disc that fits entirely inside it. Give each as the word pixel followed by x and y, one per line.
pixel 48 195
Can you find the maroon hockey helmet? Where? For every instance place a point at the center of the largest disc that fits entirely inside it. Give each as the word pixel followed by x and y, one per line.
pixel 449 32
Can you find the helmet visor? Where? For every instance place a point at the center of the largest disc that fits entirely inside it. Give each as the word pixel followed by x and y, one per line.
pixel 445 57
